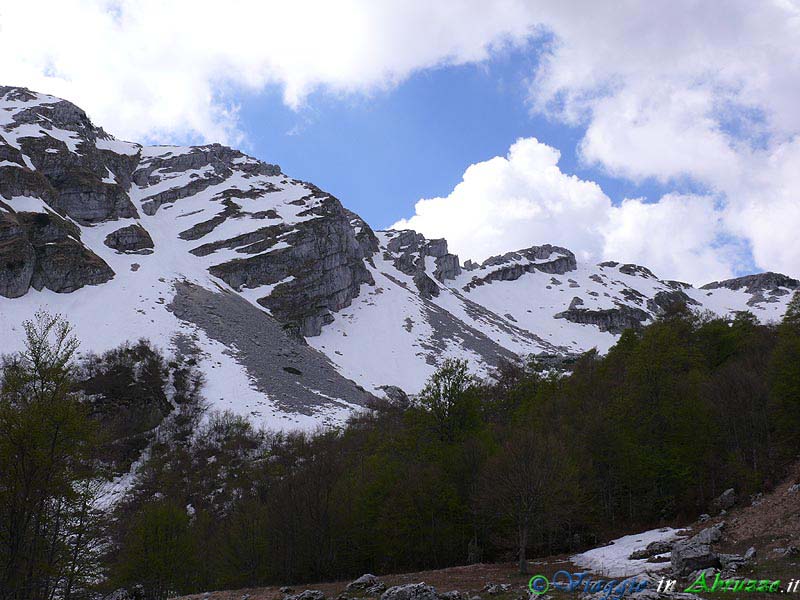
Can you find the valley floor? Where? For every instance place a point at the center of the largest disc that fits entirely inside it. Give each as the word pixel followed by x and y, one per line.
pixel 770 523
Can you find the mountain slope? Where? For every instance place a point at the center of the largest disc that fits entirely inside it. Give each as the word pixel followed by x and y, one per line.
pixel 297 311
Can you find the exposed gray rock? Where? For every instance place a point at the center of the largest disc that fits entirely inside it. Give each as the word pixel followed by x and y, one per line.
pixel 427 287
pixel 281 365
pixel 215 159
pixel 493 589
pixel 725 500
pixel 396 396
pixel 752 284
pixel 410 591
pixel 733 562
pixel 663 301
pixel 41 250
pixel 321 266
pixel 653 549
pixel 447 267
pixel 512 265
pixel 695 553
pixel 17 258
pixel 576 302
pixel 87 199
pixel 407 249
pixel 614 320
pixel 637 271
pixel 133 238
pixel 362 583
pixel 78 181
pixel 307 595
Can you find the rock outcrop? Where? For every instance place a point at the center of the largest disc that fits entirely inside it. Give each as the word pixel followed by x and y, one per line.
pixel 131 239
pixel 512 265
pixel 410 591
pixel 317 266
pixel 613 320
pixel 695 553
pixel 409 252
pixel 42 250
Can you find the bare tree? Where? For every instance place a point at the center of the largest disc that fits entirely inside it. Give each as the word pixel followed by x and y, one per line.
pixel 530 485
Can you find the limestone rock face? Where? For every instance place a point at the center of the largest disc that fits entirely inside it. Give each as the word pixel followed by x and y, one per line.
pixel 512 265
pixel 613 320
pixel 283 287
pixel 318 268
pixel 40 250
pixel 17 258
pixel 409 252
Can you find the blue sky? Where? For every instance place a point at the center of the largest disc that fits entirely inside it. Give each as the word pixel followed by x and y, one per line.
pixel 382 152
pixel 676 122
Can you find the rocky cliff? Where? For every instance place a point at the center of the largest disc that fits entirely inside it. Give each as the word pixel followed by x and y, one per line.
pixel 296 310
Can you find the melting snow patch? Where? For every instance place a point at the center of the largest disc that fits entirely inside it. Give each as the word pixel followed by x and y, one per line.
pixel 612 560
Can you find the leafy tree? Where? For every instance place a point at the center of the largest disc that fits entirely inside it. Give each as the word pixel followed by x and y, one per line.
pixel 785 382
pixel 157 553
pixel 48 475
pixel 531 484
pixel 445 398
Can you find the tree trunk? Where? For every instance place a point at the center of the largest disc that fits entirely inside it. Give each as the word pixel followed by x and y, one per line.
pixel 523 545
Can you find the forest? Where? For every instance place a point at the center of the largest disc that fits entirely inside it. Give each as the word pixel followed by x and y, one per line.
pixel 533 462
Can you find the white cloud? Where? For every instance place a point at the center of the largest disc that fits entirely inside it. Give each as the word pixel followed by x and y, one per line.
pixel 684 89
pixel 668 89
pixel 156 69
pixel 509 203
pixel 680 237
pixel 525 199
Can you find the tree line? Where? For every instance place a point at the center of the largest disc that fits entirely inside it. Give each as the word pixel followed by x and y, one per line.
pixel 532 462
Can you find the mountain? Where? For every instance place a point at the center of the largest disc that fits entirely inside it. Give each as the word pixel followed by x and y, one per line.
pixel 296 310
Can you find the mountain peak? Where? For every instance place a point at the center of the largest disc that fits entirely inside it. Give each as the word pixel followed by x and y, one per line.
pixel 295 308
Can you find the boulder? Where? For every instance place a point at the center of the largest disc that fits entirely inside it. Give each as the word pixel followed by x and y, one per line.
pixel 364 582
pixel 410 591
pixel 497 588
pixel 307 595
pixel 133 238
pixel 653 549
pixel 725 500
pixel 695 553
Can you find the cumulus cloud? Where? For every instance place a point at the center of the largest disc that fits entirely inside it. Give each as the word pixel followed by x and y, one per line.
pixel 508 203
pixel 169 70
pixel 668 89
pixel 683 89
pixel 680 236
pixel 524 199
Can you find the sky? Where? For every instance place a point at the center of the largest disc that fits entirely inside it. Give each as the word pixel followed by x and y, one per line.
pixel 663 133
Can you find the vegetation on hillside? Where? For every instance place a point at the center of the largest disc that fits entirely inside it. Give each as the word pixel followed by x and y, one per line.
pixel 527 464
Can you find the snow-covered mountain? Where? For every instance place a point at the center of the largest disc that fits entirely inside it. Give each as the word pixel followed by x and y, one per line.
pixel 295 309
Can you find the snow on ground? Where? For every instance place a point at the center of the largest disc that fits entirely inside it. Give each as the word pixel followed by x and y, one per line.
pixel 612 560
pixel 726 301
